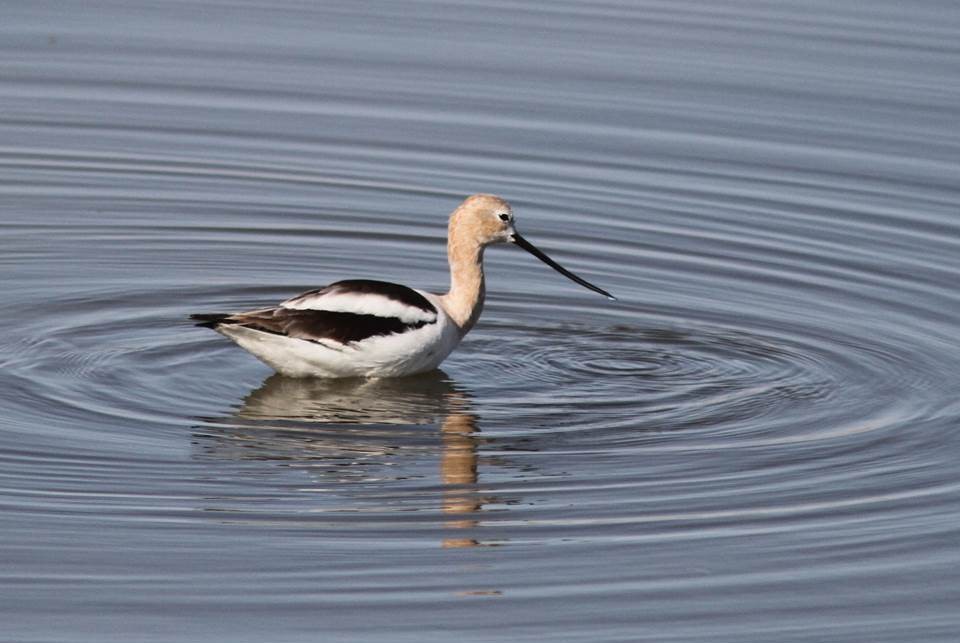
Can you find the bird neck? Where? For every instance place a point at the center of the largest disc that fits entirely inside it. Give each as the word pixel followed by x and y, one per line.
pixel 464 302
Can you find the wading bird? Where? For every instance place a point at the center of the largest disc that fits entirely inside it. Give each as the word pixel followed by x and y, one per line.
pixel 365 328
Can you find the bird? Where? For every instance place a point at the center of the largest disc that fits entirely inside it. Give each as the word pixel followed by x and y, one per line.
pixel 363 328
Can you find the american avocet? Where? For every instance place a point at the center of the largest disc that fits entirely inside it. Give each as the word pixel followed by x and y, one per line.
pixel 362 328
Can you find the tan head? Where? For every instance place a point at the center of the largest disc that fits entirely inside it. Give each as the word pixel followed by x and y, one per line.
pixel 482 219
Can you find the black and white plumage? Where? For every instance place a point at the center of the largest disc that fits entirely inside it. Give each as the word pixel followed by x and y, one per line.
pixel 358 327
pixel 365 328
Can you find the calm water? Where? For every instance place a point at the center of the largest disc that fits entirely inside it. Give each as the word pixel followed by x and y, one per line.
pixel 758 442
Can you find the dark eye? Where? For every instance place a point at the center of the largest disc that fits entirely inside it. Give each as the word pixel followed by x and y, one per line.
pixel 504 217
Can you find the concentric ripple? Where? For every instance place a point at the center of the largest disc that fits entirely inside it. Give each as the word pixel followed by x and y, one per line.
pixel 757 441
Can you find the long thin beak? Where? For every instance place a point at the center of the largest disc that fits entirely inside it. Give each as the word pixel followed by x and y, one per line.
pixel 532 249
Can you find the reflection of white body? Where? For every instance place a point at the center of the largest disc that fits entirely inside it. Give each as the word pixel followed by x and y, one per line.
pixel 361 328
pixel 371 430
pixel 314 404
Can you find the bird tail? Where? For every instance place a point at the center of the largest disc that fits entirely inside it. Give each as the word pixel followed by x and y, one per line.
pixel 210 320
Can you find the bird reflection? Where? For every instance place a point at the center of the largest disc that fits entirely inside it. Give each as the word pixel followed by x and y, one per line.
pixel 458 472
pixel 354 430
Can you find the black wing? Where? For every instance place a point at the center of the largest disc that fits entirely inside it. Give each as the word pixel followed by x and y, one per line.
pixel 343 312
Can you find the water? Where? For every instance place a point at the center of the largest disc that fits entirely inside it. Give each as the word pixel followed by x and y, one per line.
pixel 758 442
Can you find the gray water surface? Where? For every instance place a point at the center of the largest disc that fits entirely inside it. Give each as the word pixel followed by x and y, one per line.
pixel 758 442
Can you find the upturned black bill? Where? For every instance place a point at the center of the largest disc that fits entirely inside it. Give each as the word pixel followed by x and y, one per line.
pixel 532 249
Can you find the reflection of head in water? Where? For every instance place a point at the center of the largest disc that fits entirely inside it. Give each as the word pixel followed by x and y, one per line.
pixel 360 430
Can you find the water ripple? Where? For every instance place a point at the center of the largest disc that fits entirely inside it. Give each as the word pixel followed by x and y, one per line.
pixel 756 442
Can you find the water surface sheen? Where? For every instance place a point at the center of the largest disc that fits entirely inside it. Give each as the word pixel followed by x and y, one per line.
pixel 758 442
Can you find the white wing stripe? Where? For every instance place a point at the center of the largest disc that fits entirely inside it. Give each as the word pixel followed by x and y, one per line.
pixel 361 304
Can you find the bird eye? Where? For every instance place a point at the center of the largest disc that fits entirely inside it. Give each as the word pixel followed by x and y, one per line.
pixel 504 217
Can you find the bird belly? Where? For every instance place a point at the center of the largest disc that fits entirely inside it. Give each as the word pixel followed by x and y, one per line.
pixel 413 351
